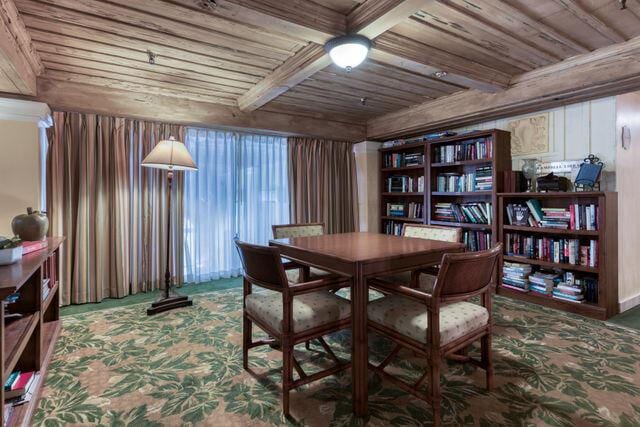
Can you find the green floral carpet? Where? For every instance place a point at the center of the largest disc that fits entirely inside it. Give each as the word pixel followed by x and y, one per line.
pixel 118 367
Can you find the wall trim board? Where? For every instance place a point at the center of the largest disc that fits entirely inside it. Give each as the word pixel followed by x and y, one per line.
pixel 23 110
pixel 629 303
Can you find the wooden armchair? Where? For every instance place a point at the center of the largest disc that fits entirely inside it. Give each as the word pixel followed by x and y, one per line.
pixel 290 313
pixel 424 278
pixel 441 324
pixel 286 231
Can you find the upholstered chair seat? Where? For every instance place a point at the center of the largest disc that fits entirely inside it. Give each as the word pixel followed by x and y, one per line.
pixel 411 319
pixel 309 310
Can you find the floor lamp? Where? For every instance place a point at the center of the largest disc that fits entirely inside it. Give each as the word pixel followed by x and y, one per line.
pixel 170 155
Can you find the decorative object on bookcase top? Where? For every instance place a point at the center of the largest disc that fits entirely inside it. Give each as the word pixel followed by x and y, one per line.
pixel 529 171
pixel 32 226
pixel 10 250
pixel 514 182
pixel 552 182
pixel 588 178
pixel 529 135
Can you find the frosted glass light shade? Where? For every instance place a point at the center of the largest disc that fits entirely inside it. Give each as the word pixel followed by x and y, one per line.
pixel 348 51
pixel 170 154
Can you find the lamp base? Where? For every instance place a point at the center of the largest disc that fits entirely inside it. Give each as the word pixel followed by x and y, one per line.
pixel 165 304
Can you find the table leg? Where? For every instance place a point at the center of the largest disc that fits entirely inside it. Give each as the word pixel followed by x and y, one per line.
pixel 360 350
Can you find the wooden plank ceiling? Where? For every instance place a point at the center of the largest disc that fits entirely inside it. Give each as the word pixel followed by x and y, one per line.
pixel 267 55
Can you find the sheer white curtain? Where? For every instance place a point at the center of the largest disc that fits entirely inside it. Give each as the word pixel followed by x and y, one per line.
pixel 240 188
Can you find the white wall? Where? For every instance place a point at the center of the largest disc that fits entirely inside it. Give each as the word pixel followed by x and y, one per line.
pixel 368 180
pixel 574 132
pixel 20 159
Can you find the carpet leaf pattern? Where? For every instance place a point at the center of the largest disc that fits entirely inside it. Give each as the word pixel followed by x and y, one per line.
pixel 118 367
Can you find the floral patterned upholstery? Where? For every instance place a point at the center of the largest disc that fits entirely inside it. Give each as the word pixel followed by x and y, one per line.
pixel 425 284
pixel 293 275
pixel 445 234
pixel 410 318
pixel 309 310
pixel 302 230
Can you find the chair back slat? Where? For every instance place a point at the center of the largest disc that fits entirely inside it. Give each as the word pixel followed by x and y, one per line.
pixel 464 274
pixel 285 231
pixel 432 232
pixel 262 265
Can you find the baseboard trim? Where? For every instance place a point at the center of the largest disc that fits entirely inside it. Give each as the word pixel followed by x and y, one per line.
pixel 629 303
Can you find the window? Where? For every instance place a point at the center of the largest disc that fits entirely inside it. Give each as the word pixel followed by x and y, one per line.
pixel 240 189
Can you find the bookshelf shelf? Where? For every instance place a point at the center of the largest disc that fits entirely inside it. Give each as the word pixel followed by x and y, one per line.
pixel 469 225
pixel 549 264
pixel 53 293
pixel 606 274
pixel 543 230
pixel 588 309
pixel 400 194
pixel 462 193
pixel 462 163
pixel 17 335
pixel 405 219
pixel 403 169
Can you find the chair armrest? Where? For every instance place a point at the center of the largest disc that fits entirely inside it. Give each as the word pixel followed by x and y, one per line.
pixel 329 282
pixel 394 288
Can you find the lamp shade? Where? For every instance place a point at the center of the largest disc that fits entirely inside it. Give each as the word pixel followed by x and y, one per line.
pixel 170 154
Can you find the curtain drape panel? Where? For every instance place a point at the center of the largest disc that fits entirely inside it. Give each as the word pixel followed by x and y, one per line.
pixel 240 190
pixel 112 211
pixel 322 183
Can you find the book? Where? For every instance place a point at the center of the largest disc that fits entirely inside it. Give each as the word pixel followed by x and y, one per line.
pixel 11 380
pixel 33 246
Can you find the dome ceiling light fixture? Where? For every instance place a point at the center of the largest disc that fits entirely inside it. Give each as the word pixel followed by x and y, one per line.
pixel 348 51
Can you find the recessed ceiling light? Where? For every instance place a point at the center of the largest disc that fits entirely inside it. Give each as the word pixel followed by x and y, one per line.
pixel 440 74
pixel 348 51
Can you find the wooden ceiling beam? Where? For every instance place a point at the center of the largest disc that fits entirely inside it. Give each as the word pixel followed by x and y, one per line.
pixel 591 20
pixel 74 96
pixel 19 61
pixel 371 19
pixel 402 52
pixel 607 71
pixel 376 17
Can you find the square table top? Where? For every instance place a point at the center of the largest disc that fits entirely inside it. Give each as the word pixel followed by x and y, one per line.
pixel 365 247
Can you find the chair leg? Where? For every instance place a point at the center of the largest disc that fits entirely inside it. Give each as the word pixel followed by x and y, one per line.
pixel 287 374
pixel 487 359
pixel 307 344
pixel 434 368
pixel 246 341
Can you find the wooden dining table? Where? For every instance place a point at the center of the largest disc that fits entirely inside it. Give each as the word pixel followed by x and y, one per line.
pixel 363 256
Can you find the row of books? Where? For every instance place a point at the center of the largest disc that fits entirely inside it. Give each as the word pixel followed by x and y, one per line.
pixel 399 160
pixel 453 182
pixel 19 387
pixel 558 250
pixel 393 228
pixel 472 212
pixel 404 184
pixel 563 285
pixel 476 149
pixel 532 214
pixel 476 240
pixel 407 210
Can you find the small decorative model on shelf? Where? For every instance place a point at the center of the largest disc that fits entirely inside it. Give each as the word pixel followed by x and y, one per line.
pixel 588 178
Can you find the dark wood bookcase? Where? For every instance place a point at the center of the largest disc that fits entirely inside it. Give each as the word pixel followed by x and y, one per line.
pixel 606 271
pixel 27 343
pixel 500 162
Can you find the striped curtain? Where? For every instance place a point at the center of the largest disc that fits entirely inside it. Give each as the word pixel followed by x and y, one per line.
pixel 322 183
pixel 112 211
